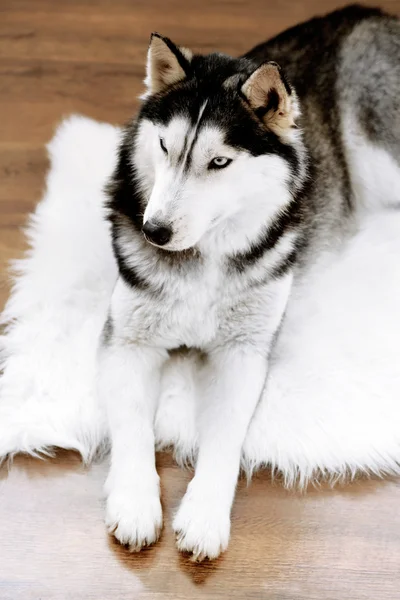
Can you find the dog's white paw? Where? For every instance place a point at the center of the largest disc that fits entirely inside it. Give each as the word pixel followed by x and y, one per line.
pixel 134 519
pixel 201 528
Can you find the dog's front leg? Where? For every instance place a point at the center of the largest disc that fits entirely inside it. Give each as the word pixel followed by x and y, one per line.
pixel 128 385
pixel 235 381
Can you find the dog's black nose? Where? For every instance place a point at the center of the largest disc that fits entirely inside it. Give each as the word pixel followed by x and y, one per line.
pixel 156 233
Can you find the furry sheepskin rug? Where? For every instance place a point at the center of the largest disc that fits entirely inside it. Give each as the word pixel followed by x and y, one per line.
pixel 331 406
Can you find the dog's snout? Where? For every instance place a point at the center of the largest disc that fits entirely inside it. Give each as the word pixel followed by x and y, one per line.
pixel 156 233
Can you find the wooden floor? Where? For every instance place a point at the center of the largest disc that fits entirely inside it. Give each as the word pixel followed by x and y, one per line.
pixel 88 57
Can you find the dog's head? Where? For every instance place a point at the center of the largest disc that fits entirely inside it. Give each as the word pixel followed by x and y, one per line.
pixel 215 146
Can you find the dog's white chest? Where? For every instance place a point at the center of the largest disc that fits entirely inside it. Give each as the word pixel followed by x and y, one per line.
pixel 186 313
pixel 190 320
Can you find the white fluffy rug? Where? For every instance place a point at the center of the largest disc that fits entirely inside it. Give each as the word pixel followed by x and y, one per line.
pixel 332 400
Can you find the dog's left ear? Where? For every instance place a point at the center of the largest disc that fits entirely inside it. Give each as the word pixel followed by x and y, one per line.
pixel 272 98
pixel 167 64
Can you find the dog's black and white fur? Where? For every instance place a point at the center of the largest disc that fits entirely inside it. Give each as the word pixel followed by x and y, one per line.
pixel 223 195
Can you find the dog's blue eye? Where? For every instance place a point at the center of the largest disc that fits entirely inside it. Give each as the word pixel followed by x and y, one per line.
pixel 219 162
pixel 163 146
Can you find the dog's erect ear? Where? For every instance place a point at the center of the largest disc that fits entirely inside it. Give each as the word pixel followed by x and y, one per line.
pixel 271 98
pixel 166 64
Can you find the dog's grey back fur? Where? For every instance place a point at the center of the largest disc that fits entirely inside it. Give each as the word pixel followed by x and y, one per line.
pixel 345 63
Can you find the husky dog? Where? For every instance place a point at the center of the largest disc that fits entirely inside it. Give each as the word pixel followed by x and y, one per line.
pixel 236 174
